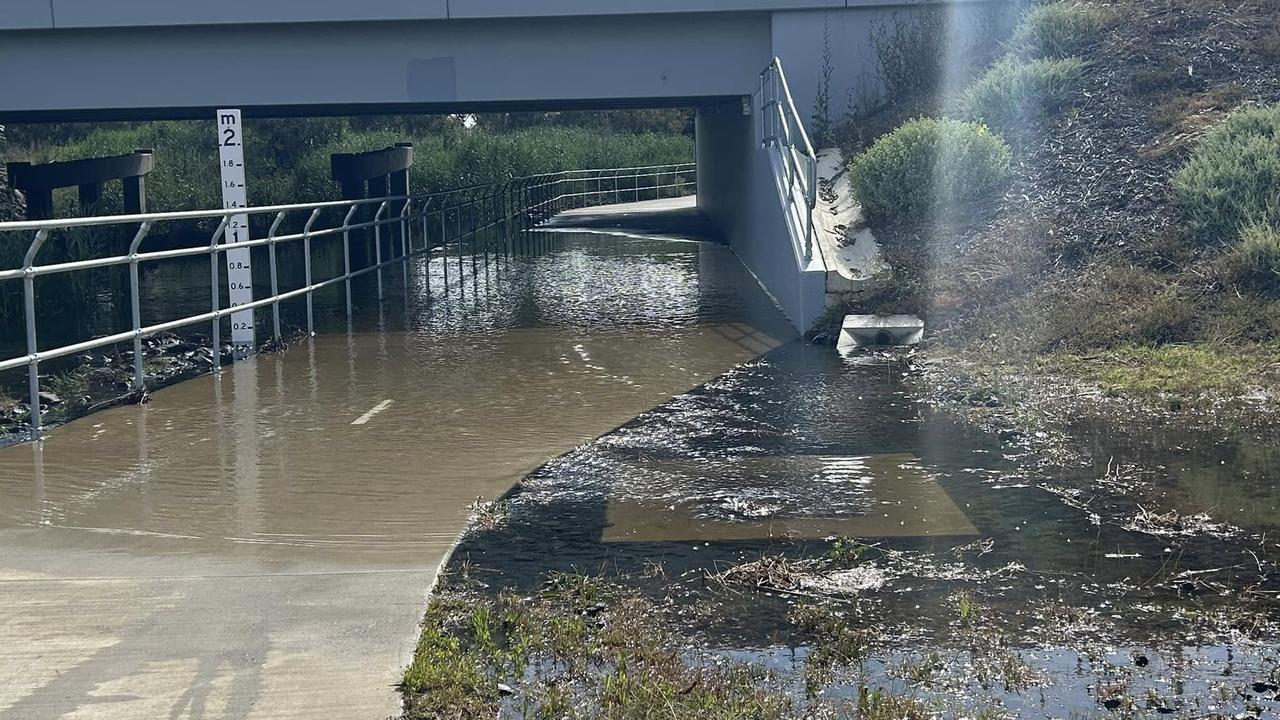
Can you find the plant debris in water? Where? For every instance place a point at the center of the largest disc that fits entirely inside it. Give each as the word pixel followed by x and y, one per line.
pixel 587 646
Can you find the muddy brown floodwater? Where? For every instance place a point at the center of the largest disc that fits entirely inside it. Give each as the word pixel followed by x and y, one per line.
pixel 259 543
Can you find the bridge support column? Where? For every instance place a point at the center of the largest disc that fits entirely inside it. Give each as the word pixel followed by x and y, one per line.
pixel 90 196
pixel 399 185
pixel 372 175
pixel 736 192
pixel 37 182
pixel 379 187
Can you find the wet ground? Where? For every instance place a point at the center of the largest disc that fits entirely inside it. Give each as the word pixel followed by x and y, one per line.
pixel 979 579
pixel 259 543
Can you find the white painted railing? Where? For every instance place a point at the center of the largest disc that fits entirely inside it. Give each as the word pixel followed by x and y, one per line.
pixel 500 210
pixel 795 164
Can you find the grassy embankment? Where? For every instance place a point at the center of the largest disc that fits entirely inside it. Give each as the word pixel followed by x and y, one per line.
pixel 1127 235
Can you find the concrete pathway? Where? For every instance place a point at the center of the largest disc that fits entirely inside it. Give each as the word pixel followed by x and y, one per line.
pixel 259 544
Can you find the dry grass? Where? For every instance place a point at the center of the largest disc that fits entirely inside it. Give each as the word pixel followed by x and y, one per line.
pixel 770 572
pixel 1186 117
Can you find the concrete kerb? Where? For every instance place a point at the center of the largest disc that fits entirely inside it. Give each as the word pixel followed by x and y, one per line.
pixel 856 268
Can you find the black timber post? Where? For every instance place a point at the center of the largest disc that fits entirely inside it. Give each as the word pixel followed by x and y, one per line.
pixel 373 175
pixel 90 196
pixel 37 182
pixel 39 200
pixel 399 187
pixel 135 190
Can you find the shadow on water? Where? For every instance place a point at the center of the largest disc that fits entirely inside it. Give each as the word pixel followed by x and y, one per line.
pixel 785 454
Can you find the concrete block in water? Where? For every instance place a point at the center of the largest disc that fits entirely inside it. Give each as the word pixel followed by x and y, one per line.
pixel 865 330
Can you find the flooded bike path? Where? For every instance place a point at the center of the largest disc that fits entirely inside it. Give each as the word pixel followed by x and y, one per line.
pixel 259 543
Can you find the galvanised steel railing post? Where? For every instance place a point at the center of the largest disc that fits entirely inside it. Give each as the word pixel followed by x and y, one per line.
pixel 484 204
pixel 29 302
pixel 509 198
pixel 306 249
pixel 404 246
pixel 524 215
pixel 500 206
pixel 457 236
pixel 377 245
pixel 346 254
pixel 135 305
pixel 426 245
pixel 444 244
pixel 471 223
pixel 275 276
pixel 216 333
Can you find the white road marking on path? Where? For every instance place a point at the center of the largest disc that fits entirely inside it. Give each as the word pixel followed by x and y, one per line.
pixel 365 418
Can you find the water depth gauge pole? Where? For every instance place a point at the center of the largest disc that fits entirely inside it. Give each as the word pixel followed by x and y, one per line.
pixel 234 195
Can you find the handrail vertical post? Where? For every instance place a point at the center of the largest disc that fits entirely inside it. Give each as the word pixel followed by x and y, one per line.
pixel 457 236
pixel 215 335
pixel 346 254
pixel 377 245
pixel 404 245
pixel 29 307
pixel 275 276
pixel 473 224
pixel 444 244
pixel 426 243
pixel 306 249
pixel 135 306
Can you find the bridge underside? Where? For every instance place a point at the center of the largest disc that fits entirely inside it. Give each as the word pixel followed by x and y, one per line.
pixel 413 66
pixel 495 60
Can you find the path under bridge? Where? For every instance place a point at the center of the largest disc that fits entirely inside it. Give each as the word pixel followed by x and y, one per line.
pixel 259 543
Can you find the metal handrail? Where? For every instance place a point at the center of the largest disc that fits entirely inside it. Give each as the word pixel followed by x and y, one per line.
pixel 791 155
pixel 523 203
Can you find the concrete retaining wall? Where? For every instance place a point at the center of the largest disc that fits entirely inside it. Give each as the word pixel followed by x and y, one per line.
pixel 797 38
pixel 736 191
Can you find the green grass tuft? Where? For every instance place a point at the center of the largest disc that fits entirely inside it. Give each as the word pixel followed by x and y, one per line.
pixel 444 680
pixel 1254 262
pixel 1059 30
pixel 1176 369
pixel 1014 96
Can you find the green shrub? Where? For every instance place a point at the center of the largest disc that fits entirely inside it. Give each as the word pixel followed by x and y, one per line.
pixel 1014 95
pixel 1254 262
pixel 1232 179
pixel 929 166
pixel 1058 30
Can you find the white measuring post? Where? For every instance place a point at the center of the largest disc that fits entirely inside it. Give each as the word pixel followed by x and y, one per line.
pixel 234 195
